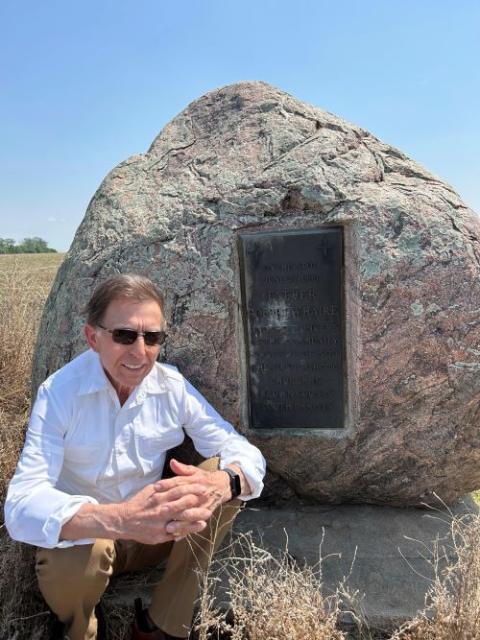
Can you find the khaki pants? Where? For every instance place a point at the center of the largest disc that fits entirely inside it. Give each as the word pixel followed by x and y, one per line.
pixel 73 579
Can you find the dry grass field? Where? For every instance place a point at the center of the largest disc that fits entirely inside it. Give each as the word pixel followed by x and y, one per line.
pixel 273 599
pixel 25 280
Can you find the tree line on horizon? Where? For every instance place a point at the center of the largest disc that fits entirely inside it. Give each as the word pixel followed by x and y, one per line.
pixel 27 245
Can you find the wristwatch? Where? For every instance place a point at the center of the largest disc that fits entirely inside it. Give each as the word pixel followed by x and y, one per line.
pixel 235 484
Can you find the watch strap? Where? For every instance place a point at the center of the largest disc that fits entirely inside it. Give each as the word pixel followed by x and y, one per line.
pixel 235 484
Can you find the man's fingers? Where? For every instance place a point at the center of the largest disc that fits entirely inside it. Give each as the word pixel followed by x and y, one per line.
pixel 209 499
pixel 192 474
pixel 178 491
pixel 179 529
pixel 181 469
pixel 169 483
pixel 193 514
pixel 172 510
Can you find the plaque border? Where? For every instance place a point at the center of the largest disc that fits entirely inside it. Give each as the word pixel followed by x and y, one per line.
pixel 350 321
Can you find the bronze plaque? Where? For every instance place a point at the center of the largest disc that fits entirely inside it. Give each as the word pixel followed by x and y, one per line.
pixel 292 303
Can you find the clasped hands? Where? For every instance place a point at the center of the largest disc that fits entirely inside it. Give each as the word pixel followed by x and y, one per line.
pixel 171 509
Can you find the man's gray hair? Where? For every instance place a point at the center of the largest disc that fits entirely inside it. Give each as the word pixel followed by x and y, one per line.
pixel 128 286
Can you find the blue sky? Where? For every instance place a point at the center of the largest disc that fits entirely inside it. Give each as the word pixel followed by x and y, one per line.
pixel 87 83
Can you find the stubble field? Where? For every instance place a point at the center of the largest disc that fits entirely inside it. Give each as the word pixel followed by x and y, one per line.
pixel 25 280
pixel 272 599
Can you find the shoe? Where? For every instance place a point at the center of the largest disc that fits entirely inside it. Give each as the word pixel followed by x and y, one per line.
pixel 138 632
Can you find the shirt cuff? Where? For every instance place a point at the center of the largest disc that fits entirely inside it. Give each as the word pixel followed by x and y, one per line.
pixel 251 474
pixel 53 526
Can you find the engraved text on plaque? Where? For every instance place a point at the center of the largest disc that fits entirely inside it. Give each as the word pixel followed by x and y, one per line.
pixel 292 293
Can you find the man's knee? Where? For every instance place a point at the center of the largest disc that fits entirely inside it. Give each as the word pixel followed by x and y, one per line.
pixel 87 563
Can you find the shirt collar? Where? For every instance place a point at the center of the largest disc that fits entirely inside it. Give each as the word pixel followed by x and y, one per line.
pixel 155 381
pixel 94 378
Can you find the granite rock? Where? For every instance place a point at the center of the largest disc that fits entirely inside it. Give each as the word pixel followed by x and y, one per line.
pixel 249 156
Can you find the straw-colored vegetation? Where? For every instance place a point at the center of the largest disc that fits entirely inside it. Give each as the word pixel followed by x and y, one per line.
pixel 275 598
pixel 271 598
pixel 24 284
pixel 453 611
pixel 25 281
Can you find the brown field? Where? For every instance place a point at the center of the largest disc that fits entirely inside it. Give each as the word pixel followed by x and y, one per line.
pixel 273 599
pixel 25 280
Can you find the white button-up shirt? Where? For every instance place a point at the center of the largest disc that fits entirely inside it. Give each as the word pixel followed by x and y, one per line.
pixel 83 447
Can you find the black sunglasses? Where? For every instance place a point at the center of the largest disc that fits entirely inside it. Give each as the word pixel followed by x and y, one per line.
pixel 128 336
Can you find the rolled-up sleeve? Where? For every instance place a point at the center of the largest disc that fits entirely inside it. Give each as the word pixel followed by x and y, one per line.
pixel 212 435
pixel 35 510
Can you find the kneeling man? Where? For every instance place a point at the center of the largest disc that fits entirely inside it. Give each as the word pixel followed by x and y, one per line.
pixel 88 490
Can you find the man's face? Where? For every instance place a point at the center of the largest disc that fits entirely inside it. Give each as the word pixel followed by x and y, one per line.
pixel 126 365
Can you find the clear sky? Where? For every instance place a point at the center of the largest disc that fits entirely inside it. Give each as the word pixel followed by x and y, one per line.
pixel 87 83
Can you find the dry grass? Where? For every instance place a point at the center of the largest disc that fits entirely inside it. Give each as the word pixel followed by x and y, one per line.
pixel 22 613
pixel 274 598
pixel 453 608
pixel 269 597
pixel 24 285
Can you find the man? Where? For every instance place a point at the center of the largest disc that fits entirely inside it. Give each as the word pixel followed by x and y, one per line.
pixel 88 490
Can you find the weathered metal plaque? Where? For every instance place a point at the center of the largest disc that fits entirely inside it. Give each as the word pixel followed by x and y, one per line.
pixel 292 303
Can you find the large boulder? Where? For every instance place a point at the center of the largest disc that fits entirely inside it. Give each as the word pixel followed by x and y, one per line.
pixel 249 156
